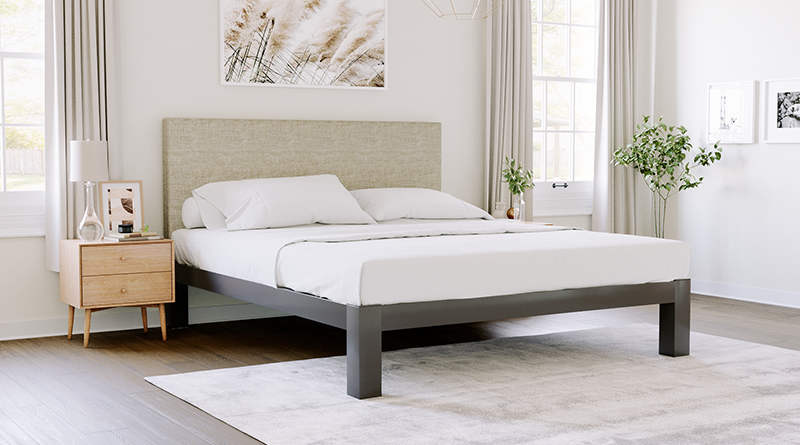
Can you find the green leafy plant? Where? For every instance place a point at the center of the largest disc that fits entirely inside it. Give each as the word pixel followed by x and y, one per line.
pixel 145 228
pixel 518 178
pixel 661 154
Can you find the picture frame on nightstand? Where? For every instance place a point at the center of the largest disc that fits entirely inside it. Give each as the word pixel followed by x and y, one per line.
pixel 121 203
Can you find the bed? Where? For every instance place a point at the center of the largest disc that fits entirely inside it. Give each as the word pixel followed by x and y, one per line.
pixel 367 155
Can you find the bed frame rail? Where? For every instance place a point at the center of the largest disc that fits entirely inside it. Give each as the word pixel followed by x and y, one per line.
pixel 364 324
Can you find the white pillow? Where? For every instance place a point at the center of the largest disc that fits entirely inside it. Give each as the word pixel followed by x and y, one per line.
pixel 281 202
pixel 190 214
pixel 415 203
pixel 212 218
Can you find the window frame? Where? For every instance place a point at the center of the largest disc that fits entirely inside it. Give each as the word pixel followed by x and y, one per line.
pixel 550 196
pixel 22 212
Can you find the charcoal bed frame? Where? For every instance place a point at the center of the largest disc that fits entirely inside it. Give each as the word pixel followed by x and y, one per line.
pixel 363 155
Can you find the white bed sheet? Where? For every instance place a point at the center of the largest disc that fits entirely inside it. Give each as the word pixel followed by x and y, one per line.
pixel 406 261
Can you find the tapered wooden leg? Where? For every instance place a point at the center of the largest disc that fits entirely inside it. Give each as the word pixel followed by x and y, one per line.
pixel 70 321
pixel 144 317
pixel 86 325
pixel 162 312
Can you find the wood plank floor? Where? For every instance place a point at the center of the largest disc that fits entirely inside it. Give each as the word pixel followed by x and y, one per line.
pixel 53 391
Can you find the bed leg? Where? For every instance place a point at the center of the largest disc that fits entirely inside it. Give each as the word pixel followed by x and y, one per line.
pixel 178 312
pixel 674 322
pixel 364 351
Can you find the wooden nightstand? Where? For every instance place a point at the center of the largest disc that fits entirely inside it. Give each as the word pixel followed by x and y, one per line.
pixel 97 275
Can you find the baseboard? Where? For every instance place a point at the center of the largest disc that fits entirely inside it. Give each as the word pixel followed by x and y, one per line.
pixel 125 319
pixel 746 293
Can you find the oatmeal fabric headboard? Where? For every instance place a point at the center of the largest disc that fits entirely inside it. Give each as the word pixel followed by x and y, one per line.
pixel 361 154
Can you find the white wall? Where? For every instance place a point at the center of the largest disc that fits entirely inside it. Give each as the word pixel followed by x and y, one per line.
pixel 168 67
pixel 742 222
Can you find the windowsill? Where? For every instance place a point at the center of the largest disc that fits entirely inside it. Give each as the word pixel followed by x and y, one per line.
pixel 21 214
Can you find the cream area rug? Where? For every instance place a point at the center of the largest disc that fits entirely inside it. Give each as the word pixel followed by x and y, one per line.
pixel 600 386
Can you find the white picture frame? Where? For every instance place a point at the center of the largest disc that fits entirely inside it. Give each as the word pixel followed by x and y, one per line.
pixel 731 116
pixel 782 111
pixel 121 203
pixel 303 44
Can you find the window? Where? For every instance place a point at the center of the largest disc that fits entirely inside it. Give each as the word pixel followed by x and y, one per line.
pixel 564 36
pixel 22 117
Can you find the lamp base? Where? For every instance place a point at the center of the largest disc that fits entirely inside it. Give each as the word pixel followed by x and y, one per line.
pixel 90 228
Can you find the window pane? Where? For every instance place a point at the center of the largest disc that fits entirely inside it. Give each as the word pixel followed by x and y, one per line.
pixel 582 52
pixel 558 148
pixel 584 156
pixel 558 105
pixel 538 94
pixel 585 100
pixel 22 26
pixel 554 11
pixel 24 91
pixel 537 156
pixel 24 158
pixel 554 50
pixel 535 10
pixel 583 12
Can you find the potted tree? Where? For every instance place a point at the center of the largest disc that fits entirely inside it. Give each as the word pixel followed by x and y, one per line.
pixel 661 154
pixel 518 180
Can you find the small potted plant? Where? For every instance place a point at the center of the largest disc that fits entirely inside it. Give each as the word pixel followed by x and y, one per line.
pixel 518 180
pixel 661 154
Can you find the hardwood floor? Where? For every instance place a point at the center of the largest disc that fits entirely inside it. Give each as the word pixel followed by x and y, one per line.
pixel 53 391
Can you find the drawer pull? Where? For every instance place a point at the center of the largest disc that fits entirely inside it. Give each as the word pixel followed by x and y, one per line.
pixel 124 291
pixel 122 258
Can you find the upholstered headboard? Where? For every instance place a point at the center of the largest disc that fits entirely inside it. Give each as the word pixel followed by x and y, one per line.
pixel 361 154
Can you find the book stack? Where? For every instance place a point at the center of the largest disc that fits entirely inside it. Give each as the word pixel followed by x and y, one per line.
pixel 133 236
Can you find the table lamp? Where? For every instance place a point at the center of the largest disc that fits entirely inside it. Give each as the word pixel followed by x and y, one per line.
pixel 88 163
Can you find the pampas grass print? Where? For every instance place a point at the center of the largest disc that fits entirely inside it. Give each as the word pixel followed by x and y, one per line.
pixel 304 42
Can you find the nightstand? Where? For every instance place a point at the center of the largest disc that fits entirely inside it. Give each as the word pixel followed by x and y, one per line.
pixel 97 275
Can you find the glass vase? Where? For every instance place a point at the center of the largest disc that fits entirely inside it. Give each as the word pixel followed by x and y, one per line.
pixel 518 208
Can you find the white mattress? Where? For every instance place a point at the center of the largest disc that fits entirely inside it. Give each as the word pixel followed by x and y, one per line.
pixel 400 261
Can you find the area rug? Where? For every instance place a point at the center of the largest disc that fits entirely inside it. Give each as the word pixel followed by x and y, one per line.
pixel 600 386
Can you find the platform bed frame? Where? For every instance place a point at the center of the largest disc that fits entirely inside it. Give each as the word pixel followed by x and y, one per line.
pixel 386 154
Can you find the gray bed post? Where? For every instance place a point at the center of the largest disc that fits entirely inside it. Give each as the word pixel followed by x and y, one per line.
pixel 364 351
pixel 673 337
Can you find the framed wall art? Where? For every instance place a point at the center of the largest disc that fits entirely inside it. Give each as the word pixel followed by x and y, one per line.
pixel 782 110
pixel 732 112
pixel 121 203
pixel 339 44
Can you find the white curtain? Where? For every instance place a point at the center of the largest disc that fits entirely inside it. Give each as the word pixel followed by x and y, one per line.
pixel 625 93
pixel 510 118
pixel 79 75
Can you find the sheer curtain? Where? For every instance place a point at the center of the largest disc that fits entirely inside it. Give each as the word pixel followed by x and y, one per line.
pixel 79 76
pixel 509 97
pixel 625 93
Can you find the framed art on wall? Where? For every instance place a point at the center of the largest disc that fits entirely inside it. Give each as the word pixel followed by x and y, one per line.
pixel 782 110
pixel 731 112
pixel 339 44
pixel 121 203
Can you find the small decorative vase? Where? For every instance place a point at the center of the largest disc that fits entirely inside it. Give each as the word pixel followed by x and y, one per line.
pixel 517 209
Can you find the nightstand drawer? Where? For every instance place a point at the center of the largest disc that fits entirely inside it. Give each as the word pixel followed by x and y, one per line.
pixel 127 290
pixel 123 259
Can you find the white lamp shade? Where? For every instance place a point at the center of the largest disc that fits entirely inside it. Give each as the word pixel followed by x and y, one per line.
pixel 88 161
